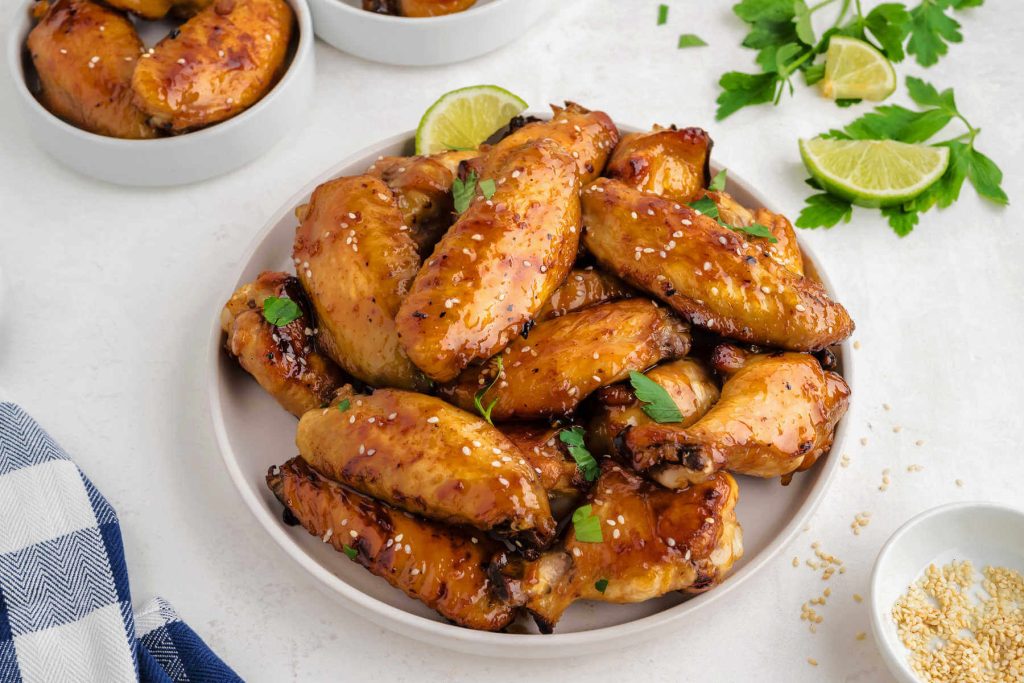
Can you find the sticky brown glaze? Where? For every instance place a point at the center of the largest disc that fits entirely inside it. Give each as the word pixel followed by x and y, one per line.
pixel 588 136
pixel 690 384
pixel 443 567
pixel 703 271
pixel 427 457
pixel 284 360
pixel 671 162
pixel 785 250
pixel 565 359
pixel 158 9
pixel 583 288
pixel 356 263
pixel 777 415
pixel 215 65
pixel 548 456
pixel 423 190
pixel 84 54
pixel 497 266
pixel 654 540
pixel 417 8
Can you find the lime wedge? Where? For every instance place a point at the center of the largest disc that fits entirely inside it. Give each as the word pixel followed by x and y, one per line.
pixel 465 118
pixel 856 70
pixel 873 172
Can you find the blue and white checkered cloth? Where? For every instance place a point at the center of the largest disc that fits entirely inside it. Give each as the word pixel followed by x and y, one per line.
pixel 65 608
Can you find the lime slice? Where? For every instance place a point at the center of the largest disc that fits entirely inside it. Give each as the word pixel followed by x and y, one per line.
pixel 856 70
pixel 873 172
pixel 465 118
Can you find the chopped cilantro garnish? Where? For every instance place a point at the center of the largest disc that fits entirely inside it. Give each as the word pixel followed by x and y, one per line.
pixel 657 403
pixel 573 438
pixel 586 525
pixel 279 311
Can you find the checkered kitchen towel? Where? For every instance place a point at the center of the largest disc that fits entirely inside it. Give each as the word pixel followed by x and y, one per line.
pixel 65 609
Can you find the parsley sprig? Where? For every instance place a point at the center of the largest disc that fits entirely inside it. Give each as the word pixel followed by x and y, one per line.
pixel 782 33
pixel 894 122
pixel 463 190
pixel 707 207
pixel 280 310
pixel 485 411
pixel 573 439
pixel 657 403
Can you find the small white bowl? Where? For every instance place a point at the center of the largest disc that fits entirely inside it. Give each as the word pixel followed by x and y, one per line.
pixel 179 159
pixel 984 533
pixel 426 41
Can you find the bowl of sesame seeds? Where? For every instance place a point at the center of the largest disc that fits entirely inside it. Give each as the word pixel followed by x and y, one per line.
pixel 947 596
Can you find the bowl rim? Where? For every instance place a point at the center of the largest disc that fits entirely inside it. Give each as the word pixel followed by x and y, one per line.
pixel 385 19
pixel 894 658
pixel 17 36
pixel 457 637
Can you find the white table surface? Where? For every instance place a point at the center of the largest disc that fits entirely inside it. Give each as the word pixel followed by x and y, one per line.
pixel 111 293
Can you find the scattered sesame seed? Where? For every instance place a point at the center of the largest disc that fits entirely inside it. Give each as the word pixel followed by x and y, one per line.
pixel 433 419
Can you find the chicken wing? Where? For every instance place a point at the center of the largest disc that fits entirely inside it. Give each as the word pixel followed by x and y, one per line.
pixel 653 541
pixel 84 55
pixel 671 162
pixel 700 269
pixel 427 457
pixel 158 9
pixel 584 287
pixel 589 136
pixel 547 455
pixel 686 380
pixel 356 263
pixel 777 414
pixel 217 64
pixel 497 266
pixel 443 567
pixel 565 359
pixel 785 250
pixel 282 359
pixel 423 189
pixel 417 8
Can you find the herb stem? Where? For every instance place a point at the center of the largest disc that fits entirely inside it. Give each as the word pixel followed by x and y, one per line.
pixel 817 6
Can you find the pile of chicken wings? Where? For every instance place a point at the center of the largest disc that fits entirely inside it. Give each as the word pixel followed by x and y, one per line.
pixel 470 428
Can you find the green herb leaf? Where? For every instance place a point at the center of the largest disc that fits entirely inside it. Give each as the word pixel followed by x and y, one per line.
pixel 889 23
pixel 601 585
pixel 927 95
pixel 986 177
pixel 690 40
pixel 463 191
pixel 893 122
pixel 573 438
pixel 824 211
pixel 350 551
pixel 586 525
pixel 755 230
pixel 662 14
pixel 743 90
pixel 900 220
pixel 814 73
pixel 706 206
pixel 487 188
pixel 478 398
pixel 844 103
pixel 802 21
pixel 344 404
pixel 773 11
pixel 717 183
pixel 930 31
pixel 279 311
pixel 657 403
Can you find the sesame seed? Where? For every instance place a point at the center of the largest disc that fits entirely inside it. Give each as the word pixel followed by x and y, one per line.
pixel 465 450
pixel 671 542
pixel 616 533
pixel 434 419
pixel 495 463
pixel 353 534
pixel 181 60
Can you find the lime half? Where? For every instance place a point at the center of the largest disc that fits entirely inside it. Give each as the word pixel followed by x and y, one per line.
pixel 873 172
pixel 465 118
pixel 856 70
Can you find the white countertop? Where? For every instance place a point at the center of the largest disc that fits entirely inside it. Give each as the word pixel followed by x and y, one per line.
pixel 110 294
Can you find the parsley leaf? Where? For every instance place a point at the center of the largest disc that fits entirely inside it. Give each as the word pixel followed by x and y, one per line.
pixel 478 398
pixel 600 585
pixel 573 438
pixel 662 14
pixel 658 405
pixel 893 122
pixel 586 525
pixel 742 90
pixel 707 207
pixel 487 188
pixel 717 183
pixel 279 311
pixel 350 551
pixel 344 404
pixel 802 22
pixel 690 40
pixel 930 31
pixel 986 177
pixel 463 190
pixel 900 220
pixel 889 23
pixel 824 211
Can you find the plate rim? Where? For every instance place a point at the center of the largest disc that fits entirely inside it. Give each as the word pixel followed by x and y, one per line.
pixel 457 637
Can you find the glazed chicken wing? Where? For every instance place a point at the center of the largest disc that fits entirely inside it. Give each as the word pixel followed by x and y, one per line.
pixel 158 9
pixel 427 457
pixel 84 54
pixel 653 541
pixel 687 381
pixel 497 266
pixel 547 455
pixel 565 359
pixel 217 64
pixel 701 270
pixel 417 8
pixel 282 359
pixel 356 263
pixel 584 287
pixel 671 162
pixel 784 250
pixel 423 189
pixel 588 136
pixel 441 566
pixel 777 414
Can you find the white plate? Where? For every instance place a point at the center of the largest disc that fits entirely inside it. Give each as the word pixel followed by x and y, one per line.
pixel 254 433
pixel 424 41
pixel 984 533
pixel 178 159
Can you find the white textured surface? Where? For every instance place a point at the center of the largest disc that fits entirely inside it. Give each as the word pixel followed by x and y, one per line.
pixel 110 294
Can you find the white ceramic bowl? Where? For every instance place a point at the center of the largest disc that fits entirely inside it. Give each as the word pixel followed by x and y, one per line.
pixel 984 533
pixel 427 41
pixel 174 160
pixel 254 433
